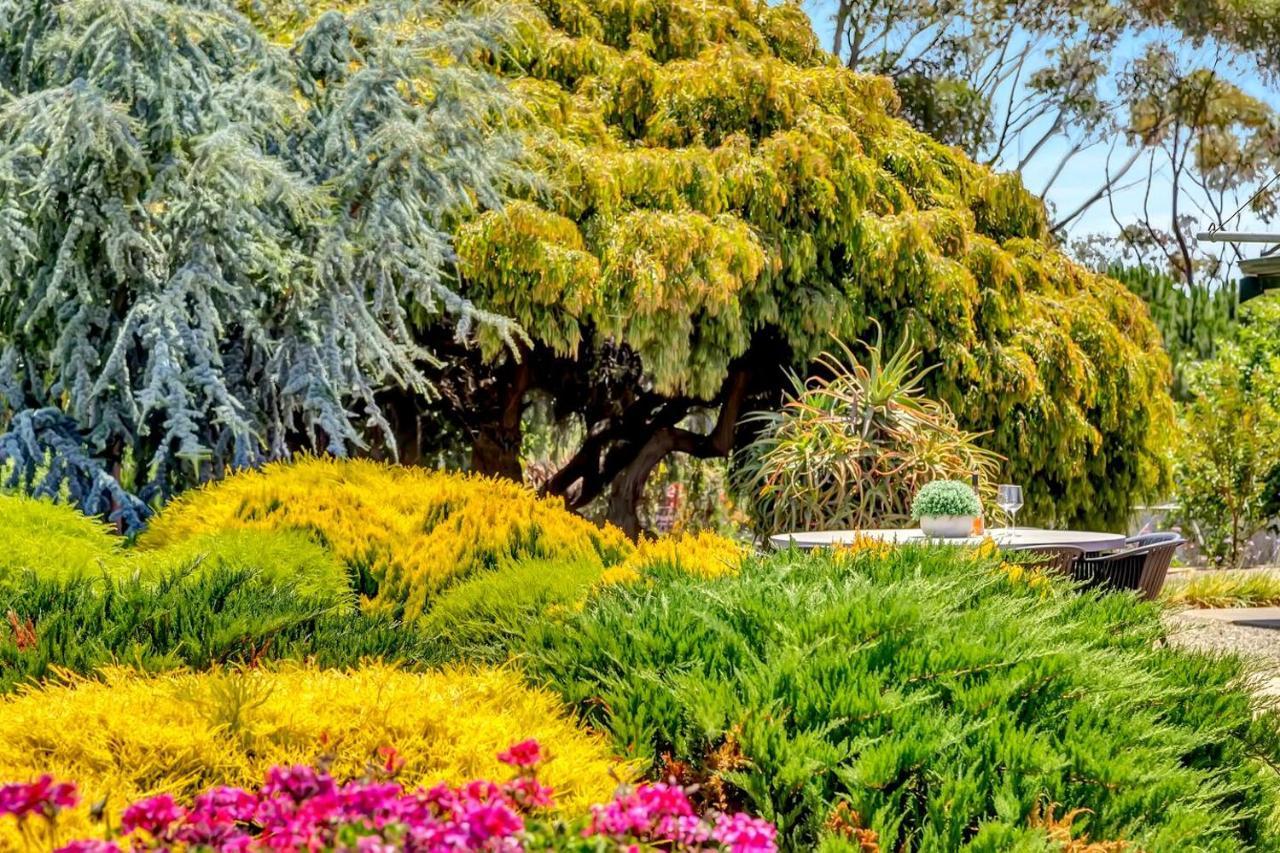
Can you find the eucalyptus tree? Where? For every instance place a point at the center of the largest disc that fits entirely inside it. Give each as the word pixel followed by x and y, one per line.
pixel 1162 91
pixel 213 247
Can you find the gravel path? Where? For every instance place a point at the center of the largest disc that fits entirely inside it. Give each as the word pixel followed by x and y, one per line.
pixel 1262 645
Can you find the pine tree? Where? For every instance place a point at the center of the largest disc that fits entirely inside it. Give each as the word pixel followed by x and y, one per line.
pixel 212 247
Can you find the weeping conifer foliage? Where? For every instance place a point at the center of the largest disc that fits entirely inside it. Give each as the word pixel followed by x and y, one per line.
pixel 212 246
pixel 729 199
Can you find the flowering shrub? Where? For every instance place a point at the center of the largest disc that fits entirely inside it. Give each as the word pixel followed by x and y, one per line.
pixel 411 531
pixel 706 555
pixel 303 808
pixel 127 735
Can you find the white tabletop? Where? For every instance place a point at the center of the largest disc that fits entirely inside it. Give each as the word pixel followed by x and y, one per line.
pixel 1022 537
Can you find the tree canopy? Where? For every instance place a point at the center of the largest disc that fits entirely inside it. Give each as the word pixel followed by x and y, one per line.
pixel 727 197
pixel 1161 92
pixel 230 236
pixel 211 247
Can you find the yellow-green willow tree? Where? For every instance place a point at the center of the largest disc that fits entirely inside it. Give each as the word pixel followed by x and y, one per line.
pixel 722 198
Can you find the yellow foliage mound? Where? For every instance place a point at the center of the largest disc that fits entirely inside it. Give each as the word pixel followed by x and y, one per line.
pixel 706 555
pixel 414 531
pixel 52 540
pixel 129 736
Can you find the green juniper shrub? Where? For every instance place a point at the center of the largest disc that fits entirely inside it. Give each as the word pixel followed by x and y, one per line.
pixel 942 699
pixel 486 615
pixel 284 556
pixel 223 616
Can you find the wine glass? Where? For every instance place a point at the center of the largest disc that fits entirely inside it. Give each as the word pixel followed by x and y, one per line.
pixel 1009 499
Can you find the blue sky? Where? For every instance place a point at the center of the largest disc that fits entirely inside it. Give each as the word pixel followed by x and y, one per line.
pixel 1085 172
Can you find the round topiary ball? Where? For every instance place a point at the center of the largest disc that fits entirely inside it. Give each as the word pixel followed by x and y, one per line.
pixel 945 497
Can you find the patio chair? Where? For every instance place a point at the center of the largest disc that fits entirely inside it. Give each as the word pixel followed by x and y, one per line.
pixel 1060 559
pixel 1139 567
pixel 1144 539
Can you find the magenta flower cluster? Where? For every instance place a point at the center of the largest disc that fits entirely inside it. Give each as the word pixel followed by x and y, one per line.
pixel 301 808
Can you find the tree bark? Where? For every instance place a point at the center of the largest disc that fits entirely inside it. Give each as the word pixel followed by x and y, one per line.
pixel 628 487
pixel 495 449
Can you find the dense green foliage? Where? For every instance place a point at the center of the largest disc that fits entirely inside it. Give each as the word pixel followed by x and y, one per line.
pixel 56 542
pixel 726 199
pixel 1227 471
pixel 1194 320
pixel 211 247
pixel 221 617
pixel 851 447
pixel 945 497
pixel 485 616
pixel 938 696
pixel 250 251
pixel 291 558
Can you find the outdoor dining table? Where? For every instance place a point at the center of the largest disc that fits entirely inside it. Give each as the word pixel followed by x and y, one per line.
pixel 1090 541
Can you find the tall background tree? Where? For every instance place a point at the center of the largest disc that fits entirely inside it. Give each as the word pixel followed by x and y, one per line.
pixel 212 247
pixel 299 241
pixel 726 197
pixel 1167 94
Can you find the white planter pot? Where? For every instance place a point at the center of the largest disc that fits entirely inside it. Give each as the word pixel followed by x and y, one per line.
pixel 947 526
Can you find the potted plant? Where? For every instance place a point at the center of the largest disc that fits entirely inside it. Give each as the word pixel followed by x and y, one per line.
pixel 946 508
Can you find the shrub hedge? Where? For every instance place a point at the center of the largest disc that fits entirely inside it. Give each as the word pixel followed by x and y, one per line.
pixel 934 699
pixel 128 735
pixel 406 532
pixel 285 557
pixel 482 618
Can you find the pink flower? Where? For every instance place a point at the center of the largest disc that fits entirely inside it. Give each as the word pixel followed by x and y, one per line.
pixel 527 793
pixel 745 834
pixel 154 815
pixel 302 809
pixel 299 783
pixel 664 800
pixel 526 753
pixel 89 846
pixel 223 805
pixel 43 796
pixel 486 822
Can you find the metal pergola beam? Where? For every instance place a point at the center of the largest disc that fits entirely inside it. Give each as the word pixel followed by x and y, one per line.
pixel 1237 237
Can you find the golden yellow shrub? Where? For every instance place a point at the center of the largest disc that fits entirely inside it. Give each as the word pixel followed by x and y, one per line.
pixel 707 555
pixel 55 541
pixel 129 736
pixel 412 529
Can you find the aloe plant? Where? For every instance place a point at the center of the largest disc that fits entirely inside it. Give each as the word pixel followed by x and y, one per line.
pixel 851 446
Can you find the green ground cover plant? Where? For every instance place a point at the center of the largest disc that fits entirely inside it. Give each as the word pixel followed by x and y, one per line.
pixel 1225 589
pixel 483 617
pixel 940 701
pixel 227 616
